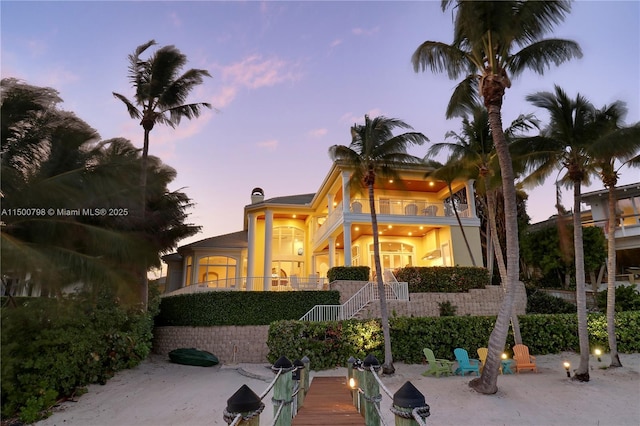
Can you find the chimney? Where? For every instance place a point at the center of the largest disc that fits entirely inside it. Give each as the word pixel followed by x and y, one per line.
pixel 257 195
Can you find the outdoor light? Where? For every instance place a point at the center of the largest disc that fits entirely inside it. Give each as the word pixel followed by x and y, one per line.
pixel 504 356
pixel 598 354
pixel 566 367
pixel 352 383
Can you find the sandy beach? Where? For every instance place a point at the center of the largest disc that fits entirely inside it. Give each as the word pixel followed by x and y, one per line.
pixel 158 392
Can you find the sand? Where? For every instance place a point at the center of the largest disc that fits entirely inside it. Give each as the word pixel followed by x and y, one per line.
pixel 158 392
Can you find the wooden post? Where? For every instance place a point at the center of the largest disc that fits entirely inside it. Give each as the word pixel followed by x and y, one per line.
pixel 307 368
pixel 298 377
pixel 371 392
pixel 405 400
pixel 282 391
pixel 246 403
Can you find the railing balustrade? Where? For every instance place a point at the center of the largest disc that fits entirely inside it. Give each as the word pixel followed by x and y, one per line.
pixel 409 208
pixel 293 283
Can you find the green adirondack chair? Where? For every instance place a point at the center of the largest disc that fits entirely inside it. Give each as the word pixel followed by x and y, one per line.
pixel 437 366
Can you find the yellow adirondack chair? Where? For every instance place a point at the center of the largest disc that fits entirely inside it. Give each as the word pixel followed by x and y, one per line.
pixel 482 356
pixel 523 360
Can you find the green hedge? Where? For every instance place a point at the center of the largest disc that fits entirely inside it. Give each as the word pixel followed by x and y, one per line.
pixel 51 347
pixel 240 307
pixel 443 279
pixel 330 344
pixel 349 273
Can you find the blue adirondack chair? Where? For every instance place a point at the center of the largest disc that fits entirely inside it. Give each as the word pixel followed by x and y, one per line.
pixel 465 363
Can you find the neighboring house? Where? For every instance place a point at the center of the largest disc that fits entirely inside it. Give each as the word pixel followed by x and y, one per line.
pixel 627 232
pixel 291 242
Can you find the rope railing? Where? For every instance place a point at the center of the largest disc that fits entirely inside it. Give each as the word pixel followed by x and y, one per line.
pixel 408 404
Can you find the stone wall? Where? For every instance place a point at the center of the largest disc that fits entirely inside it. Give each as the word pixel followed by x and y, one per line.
pixel 477 302
pixel 229 343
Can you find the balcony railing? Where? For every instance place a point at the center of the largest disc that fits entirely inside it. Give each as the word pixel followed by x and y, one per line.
pixel 292 283
pixel 409 208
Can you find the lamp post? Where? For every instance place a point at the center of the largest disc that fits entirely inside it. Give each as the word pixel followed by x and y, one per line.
pixel 567 366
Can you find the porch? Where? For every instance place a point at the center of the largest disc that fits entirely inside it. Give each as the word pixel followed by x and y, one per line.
pixel 270 283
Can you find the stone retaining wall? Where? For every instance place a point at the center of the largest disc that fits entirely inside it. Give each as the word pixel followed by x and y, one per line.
pixel 249 343
pixel 229 343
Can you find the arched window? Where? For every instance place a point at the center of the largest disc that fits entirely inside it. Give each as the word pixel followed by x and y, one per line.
pixel 216 268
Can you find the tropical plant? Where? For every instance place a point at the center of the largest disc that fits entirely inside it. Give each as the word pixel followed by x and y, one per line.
pixel 72 196
pixel 375 151
pixel 575 126
pixel 609 154
pixel 484 50
pixel 160 96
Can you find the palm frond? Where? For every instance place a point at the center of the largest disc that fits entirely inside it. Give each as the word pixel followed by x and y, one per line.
pixel 541 55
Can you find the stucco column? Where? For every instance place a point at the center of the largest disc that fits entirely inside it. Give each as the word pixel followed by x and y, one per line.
pixel 332 251
pixel 346 197
pixel 471 198
pixel 251 250
pixel 347 243
pixel 268 241
pixel 329 204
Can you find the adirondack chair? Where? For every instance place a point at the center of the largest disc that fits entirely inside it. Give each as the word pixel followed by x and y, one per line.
pixel 437 366
pixel 523 360
pixel 465 363
pixel 482 355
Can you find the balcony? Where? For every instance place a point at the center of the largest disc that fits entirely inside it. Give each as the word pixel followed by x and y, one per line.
pixel 409 208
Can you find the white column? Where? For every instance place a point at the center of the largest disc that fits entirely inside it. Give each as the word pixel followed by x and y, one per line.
pixel 329 204
pixel 332 251
pixel 251 250
pixel 268 241
pixel 346 196
pixel 346 228
pixel 471 198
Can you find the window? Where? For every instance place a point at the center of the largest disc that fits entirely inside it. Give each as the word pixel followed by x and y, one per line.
pixel 214 268
pixel 189 270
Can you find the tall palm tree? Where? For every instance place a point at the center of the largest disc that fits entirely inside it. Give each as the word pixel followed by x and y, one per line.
pixel 484 50
pixel 575 128
pixel 375 151
pixel 473 148
pixel 609 154
pixel 160 96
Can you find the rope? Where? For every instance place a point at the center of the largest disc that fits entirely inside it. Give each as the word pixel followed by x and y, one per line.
pixel 384 388
pixel 422 412
pixel 234 418
pixel 280 370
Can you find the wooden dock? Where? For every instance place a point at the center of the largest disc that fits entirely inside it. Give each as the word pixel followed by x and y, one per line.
pixel 328 402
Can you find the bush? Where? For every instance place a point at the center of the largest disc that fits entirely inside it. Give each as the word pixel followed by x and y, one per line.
pixel 539 302
pixel 444 279
pixel 51 347
pixel 447 309
pixel 240 307
pixel 330 344
pixel 627 299
pixel 349 273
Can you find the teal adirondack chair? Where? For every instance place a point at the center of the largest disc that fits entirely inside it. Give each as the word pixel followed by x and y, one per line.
pixel 437 366
pixel 465 363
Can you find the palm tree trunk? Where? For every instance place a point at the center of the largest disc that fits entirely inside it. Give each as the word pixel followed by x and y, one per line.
pixel 464 234
pixel 491 203
pixel 387 366
pixel 144 281
pixel 582 373
pixel 487 382
pixel 611 280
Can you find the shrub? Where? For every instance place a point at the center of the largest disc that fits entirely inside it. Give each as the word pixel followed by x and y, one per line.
pixel 539 302
pixel 349 273
pixel 627 299
pixel 51 347
pixel 454 279
pixel 447 309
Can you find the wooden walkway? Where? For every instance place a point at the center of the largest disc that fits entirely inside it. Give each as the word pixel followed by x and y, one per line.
pixel 328 402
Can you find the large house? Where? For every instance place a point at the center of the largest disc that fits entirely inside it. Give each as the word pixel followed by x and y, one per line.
pixel 291 242
pixel 627 231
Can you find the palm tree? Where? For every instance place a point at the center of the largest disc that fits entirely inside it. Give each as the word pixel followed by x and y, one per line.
pixel 575 128
pixel 473 148
pixel 486 38
pixel 609 154
pixel 373 151
pixel 160 95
